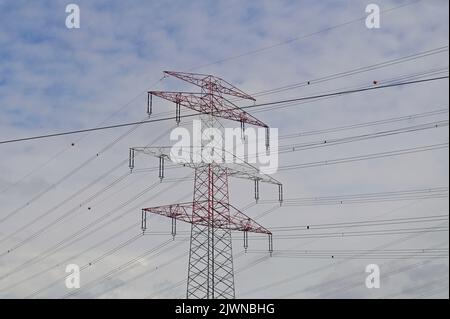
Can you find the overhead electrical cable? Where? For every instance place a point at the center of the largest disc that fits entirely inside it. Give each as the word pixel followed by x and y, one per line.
pixel 311 97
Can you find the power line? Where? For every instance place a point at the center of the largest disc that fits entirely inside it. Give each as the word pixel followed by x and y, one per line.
pixel 142 274
pixel 389 273
pixel 74 237
pixel 159 266
pixel 344 234
pixel 363 223
pixel 76 207
pixel 345 280
pixel 327 266
pixel 391 243
pixel 288 148
pixel 340 262
pixel 358 158
pixel 167 263
pixel 183 281
pixel 351 224
pixel 72 257
pixel 407 192
pixel 59 153
pixel 364 86
pixel 312 97
pixel 352 72
pixel 371 257
pixel 330 142
pixel 365 124
pixel 123 267
pixel 368 251
pixel 98 258
pixel 68 175
pixel 415 288
pixel 89 264
pixel 328 95
pixel 293 147
pixel 262 259
pixel 68 214
pixel 30 173
pixel 359 70
pixel 339 75
pixel 252 52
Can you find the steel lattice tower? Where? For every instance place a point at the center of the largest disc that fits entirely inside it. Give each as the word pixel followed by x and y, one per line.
pixel 212 217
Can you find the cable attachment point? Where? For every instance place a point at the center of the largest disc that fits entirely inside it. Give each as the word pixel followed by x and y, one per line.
pixel 245 241
pixel 174 228
pixel 144 222
pixel 149 103
pixel 161 167
pixel 131 159
pixel 270 245
pixel 267 138
pixel 280 193
pixel 257 190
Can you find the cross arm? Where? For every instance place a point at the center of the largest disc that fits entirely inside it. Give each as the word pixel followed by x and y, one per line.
pixel 210 104
pixel 236 220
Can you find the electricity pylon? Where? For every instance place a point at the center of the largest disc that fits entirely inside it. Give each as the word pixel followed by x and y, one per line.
pixel 212 217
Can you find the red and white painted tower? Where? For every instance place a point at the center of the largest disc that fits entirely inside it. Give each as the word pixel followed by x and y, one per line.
pixel 212 217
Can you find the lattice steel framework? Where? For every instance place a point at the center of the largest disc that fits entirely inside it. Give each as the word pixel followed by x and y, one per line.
pixel 212 217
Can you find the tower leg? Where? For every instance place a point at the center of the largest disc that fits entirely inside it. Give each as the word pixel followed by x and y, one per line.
pixel 210 274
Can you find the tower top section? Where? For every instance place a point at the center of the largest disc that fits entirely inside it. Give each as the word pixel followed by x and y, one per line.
pixel 210 84
pixel 211 100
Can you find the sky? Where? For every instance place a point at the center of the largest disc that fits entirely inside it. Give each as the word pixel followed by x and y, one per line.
pixel 55 79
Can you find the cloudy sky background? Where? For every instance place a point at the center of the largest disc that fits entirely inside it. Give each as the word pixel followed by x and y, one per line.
pixel 54 79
